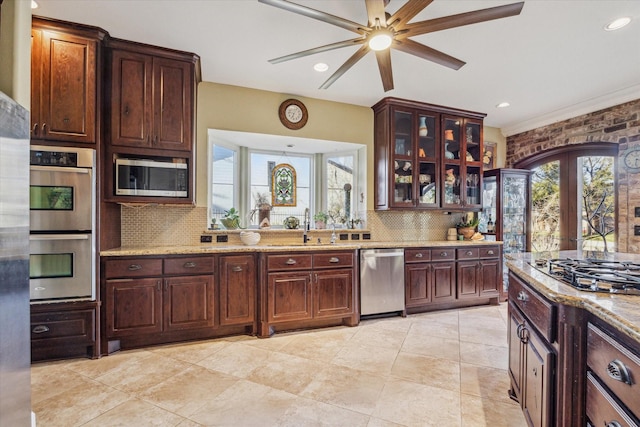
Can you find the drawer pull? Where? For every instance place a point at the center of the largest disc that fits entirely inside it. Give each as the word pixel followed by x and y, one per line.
pixel 619 372
pixel 522 296
pixel 135 267
pixel 291 261
pixel 443 254
pixel 190 265
pixel 40 329
pixel 419 255
pixel 236 269
pixel 490 252
pixel 334 260
pixel 613 424
pixel 469 253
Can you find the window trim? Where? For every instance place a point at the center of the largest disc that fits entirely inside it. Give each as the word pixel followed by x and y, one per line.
pixel 236 172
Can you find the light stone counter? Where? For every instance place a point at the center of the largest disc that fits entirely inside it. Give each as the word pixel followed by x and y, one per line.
pixel 206 248
pixel 620 311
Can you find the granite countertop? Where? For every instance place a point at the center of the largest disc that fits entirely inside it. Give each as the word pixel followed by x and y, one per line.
pixel 620 311
pixel 206 248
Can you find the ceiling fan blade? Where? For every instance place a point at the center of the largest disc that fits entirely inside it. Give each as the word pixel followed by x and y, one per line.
pixel 375 11
pixel 384 64
pixel 316 14
pixel 425 52
pixel 462 19
pixel 406 13
pixel 319 49
pixel 345 67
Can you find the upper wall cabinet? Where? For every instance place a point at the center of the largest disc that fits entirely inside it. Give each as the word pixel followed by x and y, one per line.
pixel 152 97
pixel 65 63
pixel 427 156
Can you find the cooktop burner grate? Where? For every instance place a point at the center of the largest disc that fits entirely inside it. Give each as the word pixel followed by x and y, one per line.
pixel 594 275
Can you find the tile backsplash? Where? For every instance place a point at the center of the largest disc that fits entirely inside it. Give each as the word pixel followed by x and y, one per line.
pixel 165 225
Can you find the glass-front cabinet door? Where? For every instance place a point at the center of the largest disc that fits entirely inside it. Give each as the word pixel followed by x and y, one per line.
pixel 462 163
pixel 403 159
pixel 427 161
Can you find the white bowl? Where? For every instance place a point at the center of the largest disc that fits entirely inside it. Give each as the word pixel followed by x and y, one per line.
pixel 249 238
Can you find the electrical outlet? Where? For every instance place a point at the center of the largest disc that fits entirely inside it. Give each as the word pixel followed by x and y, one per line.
pixel 366 236
pixel 636 230
pixel 206 238
pixel 355 236
pixel 223 238
pixel 344 236
pixel 637 212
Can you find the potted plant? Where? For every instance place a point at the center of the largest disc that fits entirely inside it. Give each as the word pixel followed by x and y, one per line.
pixel 231 219
pixel 214 226
pixel 467 226
pixel 321 219
pixel 263 207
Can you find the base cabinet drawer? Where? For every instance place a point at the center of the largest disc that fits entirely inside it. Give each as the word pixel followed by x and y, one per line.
pixel 603 409
pixel 63 333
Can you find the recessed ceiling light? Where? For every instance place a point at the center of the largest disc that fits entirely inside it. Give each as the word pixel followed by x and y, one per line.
pixel 617 23
pixel 290 145
pixel 503 105
pixel 34 5
pixel 321 67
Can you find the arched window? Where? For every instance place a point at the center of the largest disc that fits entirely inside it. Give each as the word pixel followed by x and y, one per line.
pixel 574 200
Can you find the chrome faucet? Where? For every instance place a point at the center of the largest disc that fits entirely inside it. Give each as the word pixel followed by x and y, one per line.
pixel 305 238
pixel 333 235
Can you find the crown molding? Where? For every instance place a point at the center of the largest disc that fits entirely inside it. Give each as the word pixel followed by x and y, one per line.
pixel 589 106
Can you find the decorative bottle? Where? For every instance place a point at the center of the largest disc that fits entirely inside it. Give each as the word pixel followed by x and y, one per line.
pixel 490 226
pixel 422 130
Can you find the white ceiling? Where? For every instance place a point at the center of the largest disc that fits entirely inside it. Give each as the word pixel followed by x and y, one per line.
pixel 551 62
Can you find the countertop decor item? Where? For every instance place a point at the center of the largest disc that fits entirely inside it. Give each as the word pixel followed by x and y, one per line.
pixel 231 219
pixel 291 222
pixel 249 238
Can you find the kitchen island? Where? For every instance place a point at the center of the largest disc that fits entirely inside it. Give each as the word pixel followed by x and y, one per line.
pixel 573 354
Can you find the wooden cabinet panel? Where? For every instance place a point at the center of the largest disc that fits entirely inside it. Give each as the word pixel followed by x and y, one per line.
pixel 444 282
pixel 289 262
pixel 417 284
pixel 64 85
pixel 539 311
pixel 516 354
pixel 173 104
pixel 333 294
pixel 489 277
pixel 467 253
pixel 188 302
pixel 333 260
pixel 131 101
pixel 417 255
pixel 237 289
pixel 139 267
pixel 444 254
pixel 603 409
pixel 537 372
pixel 188 265
pixel 133 306
pixel 289 296
pixel 468 279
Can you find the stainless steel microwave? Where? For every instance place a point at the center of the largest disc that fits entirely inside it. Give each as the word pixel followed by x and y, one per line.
pixel 153 178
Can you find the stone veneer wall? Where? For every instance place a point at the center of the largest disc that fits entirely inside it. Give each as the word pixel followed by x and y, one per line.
pixel 619 124
pixel 154 225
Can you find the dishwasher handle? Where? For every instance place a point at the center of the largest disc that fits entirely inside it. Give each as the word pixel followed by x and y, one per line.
pixel 383 255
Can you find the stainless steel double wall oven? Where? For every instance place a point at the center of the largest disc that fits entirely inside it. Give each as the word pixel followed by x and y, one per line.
pixel 62 220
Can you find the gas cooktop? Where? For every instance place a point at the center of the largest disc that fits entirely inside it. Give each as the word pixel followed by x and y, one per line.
pixel 594 275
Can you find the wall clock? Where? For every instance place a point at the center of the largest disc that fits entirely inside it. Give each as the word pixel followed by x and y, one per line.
pixel 632 160
pixel 293 114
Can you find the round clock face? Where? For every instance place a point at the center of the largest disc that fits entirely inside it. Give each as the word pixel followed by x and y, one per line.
pixel 293 114
pixel 632 160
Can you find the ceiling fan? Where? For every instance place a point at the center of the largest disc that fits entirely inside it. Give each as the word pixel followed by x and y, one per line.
pixel 395 30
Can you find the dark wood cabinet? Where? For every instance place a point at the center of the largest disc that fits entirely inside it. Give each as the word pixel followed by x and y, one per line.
pixel 65 82
pixel 189 302
pixel 61 330
pixel 237 289
pixel 133 306
pixel 426 156
pixel 449 277
pixel 532 358
pixel 305 290
pixel 152 99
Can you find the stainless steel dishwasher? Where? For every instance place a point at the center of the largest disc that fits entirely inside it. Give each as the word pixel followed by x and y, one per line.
pixel 381 281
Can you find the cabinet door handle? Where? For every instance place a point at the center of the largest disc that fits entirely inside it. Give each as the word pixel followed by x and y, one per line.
pixel 40 329
pixel 190 265
pixel 522 296
pixel 35 129
pixel 166 284
pixel 44 128
pixel 613 424
pixel 236 269
pixel 619 371
pixel 158 286
pixel 489 252
pixel 419 255
pixel 469 253
pixel 334 260
pixel 135 267
pixel 519 331
pixel 443 254
pixel 291 261
pixel 525 335
pixel 126 110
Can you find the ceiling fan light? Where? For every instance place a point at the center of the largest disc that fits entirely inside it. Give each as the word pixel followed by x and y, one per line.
pixel 380 40
pixel 321 67
pixel 503 105
pixel 617 23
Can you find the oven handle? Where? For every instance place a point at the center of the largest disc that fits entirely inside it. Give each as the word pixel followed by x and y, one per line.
pixel 60 169
pixel 59 236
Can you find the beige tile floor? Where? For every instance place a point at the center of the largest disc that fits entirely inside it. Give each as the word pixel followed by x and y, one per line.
pixel 432 369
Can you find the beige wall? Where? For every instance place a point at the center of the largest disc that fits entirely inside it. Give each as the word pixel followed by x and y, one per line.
pixel 15 51
pixel 495 135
